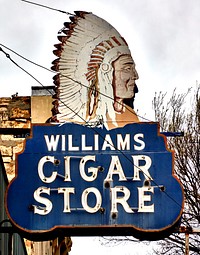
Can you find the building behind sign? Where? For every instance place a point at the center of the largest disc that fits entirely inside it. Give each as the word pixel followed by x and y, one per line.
pixel 17 113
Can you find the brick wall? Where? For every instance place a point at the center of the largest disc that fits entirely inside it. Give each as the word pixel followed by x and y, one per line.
pixel 15 113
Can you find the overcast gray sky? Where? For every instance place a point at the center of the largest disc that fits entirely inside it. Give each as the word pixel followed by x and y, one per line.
pixel 163 36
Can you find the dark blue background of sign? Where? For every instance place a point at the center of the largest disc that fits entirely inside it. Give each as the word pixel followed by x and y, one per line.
pixel 168 204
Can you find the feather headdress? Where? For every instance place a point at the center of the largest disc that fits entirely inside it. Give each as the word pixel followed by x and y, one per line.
pixel 84 81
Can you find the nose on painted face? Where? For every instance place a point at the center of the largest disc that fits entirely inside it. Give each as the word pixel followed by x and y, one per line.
pixel 134 75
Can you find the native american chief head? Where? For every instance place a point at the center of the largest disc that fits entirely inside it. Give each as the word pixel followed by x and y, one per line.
pixel 95 84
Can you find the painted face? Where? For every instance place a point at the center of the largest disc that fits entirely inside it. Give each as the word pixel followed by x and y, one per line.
pixel 124 78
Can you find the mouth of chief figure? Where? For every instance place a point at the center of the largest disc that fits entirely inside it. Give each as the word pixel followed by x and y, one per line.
pixel 130 86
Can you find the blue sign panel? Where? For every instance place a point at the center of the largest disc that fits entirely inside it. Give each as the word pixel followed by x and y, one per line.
pixel 91 181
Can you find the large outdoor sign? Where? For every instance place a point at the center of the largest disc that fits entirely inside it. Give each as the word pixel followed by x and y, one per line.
pixel 91 181
pixel 97 170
